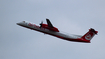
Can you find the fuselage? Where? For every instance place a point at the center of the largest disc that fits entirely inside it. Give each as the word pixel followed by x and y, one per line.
pixel 32 26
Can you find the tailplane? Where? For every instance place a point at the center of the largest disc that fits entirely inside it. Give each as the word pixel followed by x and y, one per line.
pixel 89 35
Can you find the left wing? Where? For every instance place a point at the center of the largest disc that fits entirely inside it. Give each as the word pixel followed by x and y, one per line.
pixel 49 23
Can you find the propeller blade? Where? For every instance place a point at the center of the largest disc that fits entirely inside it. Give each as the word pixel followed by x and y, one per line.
pixel 41 24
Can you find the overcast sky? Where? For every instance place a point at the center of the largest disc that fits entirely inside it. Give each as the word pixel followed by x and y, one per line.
pixel 71 16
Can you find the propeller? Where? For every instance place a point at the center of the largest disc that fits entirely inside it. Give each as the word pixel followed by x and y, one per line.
pixel 41 24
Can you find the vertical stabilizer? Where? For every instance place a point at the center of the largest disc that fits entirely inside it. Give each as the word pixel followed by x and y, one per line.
pixel 90 34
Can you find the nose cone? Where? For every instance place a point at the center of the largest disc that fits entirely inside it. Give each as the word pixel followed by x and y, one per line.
pixel 18 23
pixel 21 23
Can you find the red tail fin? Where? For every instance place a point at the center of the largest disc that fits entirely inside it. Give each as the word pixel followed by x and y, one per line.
pixel 90 34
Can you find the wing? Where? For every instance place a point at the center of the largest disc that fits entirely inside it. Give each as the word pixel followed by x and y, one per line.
pixel 49 23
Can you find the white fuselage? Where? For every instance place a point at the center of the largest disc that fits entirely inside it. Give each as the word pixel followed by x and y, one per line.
pixel 47 31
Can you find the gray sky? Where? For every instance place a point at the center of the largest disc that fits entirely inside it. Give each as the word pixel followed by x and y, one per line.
pixel 71 16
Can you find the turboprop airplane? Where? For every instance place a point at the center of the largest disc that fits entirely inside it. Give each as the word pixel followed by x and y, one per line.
pixel 51 30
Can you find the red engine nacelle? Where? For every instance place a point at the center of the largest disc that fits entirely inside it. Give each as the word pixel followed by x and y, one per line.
pixel 47 27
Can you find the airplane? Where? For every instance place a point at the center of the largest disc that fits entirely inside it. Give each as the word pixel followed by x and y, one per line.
pixel 51 30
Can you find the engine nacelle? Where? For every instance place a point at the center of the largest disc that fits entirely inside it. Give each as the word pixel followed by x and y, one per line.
pixel 47 27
